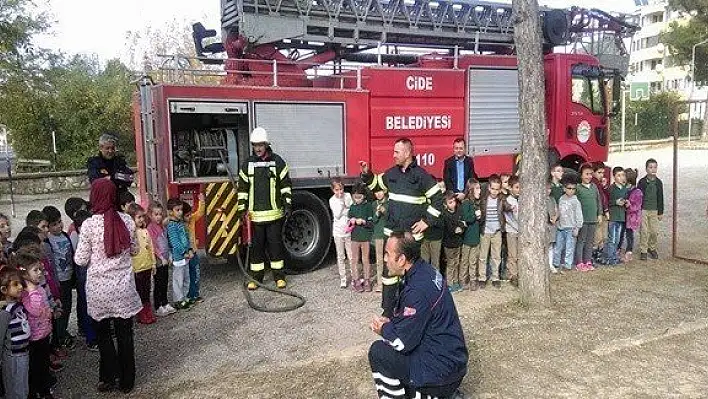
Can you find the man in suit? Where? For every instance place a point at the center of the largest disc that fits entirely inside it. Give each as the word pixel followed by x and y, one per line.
pixel 458 169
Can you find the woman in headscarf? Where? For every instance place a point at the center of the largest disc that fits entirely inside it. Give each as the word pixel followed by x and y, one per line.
pixel 105 246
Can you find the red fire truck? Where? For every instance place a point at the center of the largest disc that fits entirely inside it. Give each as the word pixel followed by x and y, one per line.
pixel 335 82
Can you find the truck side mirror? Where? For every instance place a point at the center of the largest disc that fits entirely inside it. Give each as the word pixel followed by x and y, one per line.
pixel 616 94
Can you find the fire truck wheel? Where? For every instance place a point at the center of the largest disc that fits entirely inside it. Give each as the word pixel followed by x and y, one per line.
pixel 307 233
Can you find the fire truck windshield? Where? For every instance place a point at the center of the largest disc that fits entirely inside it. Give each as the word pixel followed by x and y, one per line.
pixel 587 88
pixel 588 92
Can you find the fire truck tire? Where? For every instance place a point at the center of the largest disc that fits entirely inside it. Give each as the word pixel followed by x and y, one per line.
pixel 307 233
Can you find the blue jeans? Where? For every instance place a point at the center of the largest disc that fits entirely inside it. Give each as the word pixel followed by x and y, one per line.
pixel 84 320
pixel 193 277
pixel 565 241
pixel 614 233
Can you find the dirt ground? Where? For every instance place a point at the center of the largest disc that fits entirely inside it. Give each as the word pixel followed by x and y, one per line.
pixel 631 331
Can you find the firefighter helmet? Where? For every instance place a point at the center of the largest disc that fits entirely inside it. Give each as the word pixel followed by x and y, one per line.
pixel 259 135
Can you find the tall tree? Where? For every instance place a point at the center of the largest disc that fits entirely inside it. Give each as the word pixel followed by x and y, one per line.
pixel 145 47
pixel 77 99
pixel 682 36
pixel 19 21
pixel 533 269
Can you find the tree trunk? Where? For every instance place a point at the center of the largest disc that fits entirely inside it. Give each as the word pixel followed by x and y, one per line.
pixel 704 129
pixel 533 258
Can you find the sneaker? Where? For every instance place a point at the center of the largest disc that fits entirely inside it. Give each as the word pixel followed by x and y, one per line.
pixel 653 254
pixel 580 267
pixel 473 285
pixel 367 285
pixel 161 311
pixel 281 284
pixel 589 267
pixel 482 284
pixel 496 284
pixel 182 305
pixel 343 283
pixel 69 342
pixel 358 286
pixel 92 347
pixel 56 367
pixel 554 269
pixel 514 280
pixel 643 256
pixel 252 286
pixel 61 353
pixel 198 299
pixel 378 288
pixel 170 309
pixel 628 257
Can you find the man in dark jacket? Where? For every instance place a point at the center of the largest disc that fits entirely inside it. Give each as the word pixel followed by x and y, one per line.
pixel 423 350
pixel 109 165
pixel 414 202
pixel 458 169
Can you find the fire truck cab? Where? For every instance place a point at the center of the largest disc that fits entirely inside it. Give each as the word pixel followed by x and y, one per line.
pixel 324 115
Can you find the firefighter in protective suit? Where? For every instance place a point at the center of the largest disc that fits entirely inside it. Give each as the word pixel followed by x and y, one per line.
pixel 414 204
pixel 265 192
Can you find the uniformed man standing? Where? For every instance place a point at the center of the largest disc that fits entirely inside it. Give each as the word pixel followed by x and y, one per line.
pixel 265 191
pixel 415 203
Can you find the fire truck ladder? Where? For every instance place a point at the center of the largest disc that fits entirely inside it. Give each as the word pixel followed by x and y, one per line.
pixel 357 24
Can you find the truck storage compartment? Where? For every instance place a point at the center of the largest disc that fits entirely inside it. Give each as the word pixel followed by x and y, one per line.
pixel 204 132
pixel 309 136
pixel 493 112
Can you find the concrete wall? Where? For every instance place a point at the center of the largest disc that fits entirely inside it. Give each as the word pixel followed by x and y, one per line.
pixel 45 182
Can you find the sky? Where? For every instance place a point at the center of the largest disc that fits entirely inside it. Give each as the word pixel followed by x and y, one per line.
pixel 100 26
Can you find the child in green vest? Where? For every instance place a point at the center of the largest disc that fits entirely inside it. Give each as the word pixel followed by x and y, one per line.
pixel 380 208
pixel 470 240
pixel 361 216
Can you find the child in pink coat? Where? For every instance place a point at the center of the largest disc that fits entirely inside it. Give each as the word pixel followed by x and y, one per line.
pixel 633 218
pixel 39 315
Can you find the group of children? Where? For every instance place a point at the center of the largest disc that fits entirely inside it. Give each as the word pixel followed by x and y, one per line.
pixel 598 218
pixel 38 276
pixel 589 222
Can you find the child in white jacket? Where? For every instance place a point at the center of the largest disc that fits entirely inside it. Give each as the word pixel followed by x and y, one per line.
pixel 339 203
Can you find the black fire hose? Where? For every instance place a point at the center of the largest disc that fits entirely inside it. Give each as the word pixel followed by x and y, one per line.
pixel 247 277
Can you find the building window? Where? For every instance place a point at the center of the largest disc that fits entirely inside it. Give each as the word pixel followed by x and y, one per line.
pixel 656 18
pixel 654 64
pixel 652 41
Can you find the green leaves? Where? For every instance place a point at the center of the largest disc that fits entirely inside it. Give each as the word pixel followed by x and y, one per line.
pixel 78 100
pixel 682 36
pixel 653 117
pixel 41 92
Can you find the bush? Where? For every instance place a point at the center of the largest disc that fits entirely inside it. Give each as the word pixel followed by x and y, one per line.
pixel 653 118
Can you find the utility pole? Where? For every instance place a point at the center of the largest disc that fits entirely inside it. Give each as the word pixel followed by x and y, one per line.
pixel 533 258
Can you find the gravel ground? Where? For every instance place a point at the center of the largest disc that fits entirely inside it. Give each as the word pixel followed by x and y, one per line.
pixel 633 331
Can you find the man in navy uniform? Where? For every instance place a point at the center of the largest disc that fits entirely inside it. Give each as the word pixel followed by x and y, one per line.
pixel 423 352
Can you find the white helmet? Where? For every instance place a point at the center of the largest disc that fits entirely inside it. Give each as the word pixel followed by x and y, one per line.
pixel 259 135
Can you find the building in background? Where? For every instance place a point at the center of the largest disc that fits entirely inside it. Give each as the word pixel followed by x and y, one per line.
pixel 650 62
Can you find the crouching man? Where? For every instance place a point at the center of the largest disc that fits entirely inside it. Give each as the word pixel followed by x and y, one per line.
pixel 423 352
